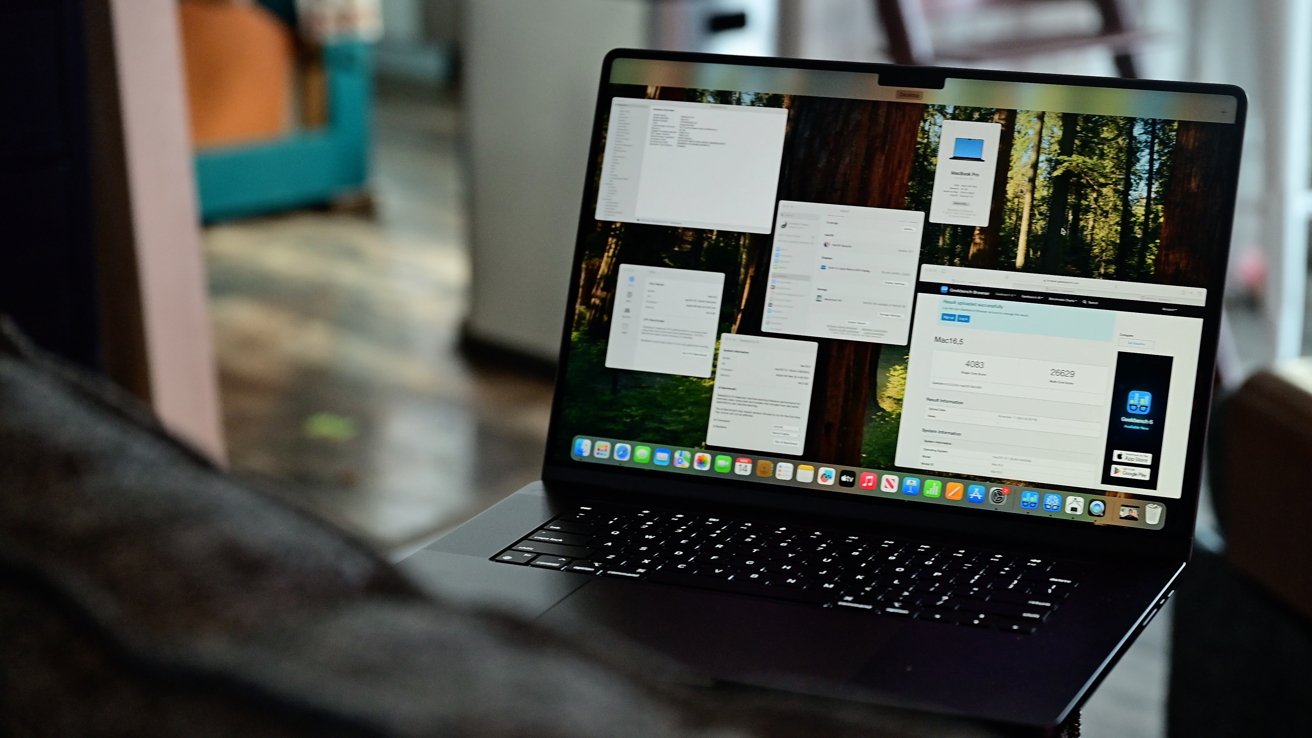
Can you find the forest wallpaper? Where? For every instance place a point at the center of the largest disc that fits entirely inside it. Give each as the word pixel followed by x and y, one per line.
pixel 1079 195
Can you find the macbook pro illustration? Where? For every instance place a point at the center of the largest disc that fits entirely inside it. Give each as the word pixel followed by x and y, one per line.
pixel 895 452
pixel 968 149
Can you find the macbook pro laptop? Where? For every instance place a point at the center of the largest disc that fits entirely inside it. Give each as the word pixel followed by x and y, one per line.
pixel 968 149
pixel 838 412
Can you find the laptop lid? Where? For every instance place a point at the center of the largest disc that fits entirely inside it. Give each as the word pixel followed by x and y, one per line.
pixel 790 284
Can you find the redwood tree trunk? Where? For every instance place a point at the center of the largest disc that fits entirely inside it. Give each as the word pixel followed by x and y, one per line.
pixel 845 152
pixel 1125 244
pixel 599 299
pixel 1192 223
pixel 754 264
pixel 1057 236
pixel 984 243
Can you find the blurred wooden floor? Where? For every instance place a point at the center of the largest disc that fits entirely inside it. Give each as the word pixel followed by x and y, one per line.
pixel 336 341
pixel 341 384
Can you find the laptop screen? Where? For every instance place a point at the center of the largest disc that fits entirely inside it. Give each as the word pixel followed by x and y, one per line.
pixel 989 295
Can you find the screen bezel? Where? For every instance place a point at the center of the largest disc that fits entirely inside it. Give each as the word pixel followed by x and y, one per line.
pixel 1172 540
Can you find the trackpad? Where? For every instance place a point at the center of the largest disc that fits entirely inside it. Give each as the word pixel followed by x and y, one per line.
pixel 730 637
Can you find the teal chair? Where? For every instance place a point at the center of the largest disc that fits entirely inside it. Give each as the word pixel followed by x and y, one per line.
pixel 308 167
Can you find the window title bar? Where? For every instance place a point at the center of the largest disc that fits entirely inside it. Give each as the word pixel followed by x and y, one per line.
pixel 1090 100
pixel 967 277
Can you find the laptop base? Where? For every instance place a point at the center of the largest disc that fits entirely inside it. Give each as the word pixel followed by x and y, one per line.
pixel 1035 681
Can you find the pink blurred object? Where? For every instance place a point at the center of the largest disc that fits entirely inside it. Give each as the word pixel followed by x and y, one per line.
pixel 1251 271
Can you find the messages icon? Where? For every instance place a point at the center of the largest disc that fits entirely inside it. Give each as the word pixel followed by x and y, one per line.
pixel 1139 402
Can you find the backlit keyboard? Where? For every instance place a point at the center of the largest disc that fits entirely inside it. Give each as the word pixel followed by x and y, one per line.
pixel 894 578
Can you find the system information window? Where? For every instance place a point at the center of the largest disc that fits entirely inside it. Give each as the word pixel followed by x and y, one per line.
pixel 843 272
pixel 1072 381
pixel 691 165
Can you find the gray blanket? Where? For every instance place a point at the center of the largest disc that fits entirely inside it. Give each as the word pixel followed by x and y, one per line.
pixel 144 592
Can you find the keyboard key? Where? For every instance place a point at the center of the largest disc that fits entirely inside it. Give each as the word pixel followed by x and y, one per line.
pixel 716 572
pixel 568 526
pixel 857 601
pixel 1019 612
pixel 1014 595
pixel 550 562
pixel 938 615
pixel 565 539
pixel 1024 627
pixel 554 549
pixel 623 573
pixel 514 557
pixel 584 567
